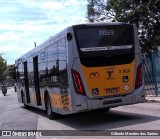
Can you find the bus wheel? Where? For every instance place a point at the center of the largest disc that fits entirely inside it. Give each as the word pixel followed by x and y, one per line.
pixel 51 115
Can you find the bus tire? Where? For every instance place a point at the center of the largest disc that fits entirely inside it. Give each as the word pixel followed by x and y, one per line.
pixel 51 115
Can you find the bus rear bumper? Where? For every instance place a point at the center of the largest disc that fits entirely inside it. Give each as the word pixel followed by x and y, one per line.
pixel 138 96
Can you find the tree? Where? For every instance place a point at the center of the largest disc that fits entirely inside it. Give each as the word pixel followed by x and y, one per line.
pixel 144 13
pixel 3 67
pixel 10 71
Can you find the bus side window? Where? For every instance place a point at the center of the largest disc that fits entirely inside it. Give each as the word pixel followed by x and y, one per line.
pixel 43 71
pixel 63 80
pixel 53 66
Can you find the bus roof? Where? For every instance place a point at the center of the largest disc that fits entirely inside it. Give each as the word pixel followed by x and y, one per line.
pixel 102 23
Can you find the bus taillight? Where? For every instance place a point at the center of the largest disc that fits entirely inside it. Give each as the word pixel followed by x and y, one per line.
pixel 139 78
pixel 78 85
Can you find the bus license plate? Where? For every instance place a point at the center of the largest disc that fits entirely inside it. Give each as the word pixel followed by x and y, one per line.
pixel 112 90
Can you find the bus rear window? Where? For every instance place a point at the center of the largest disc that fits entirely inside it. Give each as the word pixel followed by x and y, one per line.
pixel 105 42
pixel 109 38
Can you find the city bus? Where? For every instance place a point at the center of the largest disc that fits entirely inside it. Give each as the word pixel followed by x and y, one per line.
pixel 84 67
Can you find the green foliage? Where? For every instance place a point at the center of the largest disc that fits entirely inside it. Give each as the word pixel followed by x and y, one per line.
pixel 10 71
pixel 144 13
pixel 3 67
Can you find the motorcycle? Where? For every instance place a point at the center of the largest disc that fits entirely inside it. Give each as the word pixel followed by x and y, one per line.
pixel 4 89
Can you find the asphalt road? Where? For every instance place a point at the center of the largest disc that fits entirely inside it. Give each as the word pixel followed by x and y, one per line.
pixel 144 116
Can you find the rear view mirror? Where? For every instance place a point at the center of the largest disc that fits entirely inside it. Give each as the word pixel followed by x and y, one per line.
pixel 69 36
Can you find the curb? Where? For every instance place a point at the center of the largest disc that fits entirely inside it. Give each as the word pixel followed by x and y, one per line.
pixel 153 99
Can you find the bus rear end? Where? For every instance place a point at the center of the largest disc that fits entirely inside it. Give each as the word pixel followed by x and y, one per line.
pixel 106 67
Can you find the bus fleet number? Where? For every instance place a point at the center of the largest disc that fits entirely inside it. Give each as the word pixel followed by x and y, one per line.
pixel 106 32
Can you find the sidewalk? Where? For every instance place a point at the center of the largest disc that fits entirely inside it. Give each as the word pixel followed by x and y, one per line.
pixel 153 99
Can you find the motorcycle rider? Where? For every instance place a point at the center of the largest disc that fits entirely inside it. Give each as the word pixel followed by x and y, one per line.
pixel 4 89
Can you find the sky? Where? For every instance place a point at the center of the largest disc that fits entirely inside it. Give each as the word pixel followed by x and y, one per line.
pixel 23 22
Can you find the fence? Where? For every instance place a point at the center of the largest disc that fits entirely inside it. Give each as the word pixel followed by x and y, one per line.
pixel 151 64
